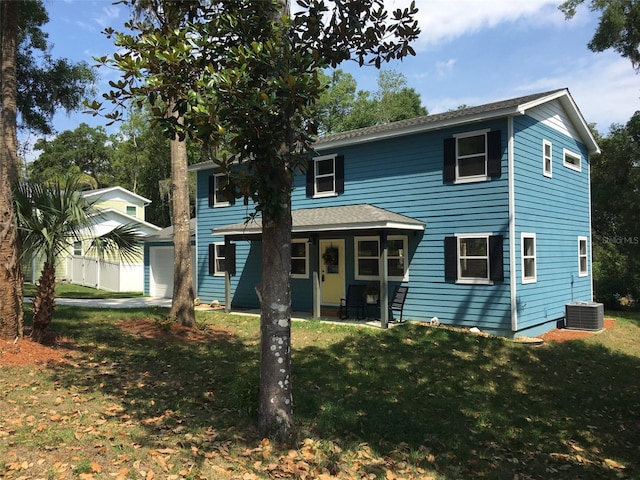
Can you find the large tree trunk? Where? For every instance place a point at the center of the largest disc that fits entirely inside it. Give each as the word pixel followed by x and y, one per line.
pixel 275 412
pixel 182 307
pixel 11 314
pixel 44 302
pixel 275 409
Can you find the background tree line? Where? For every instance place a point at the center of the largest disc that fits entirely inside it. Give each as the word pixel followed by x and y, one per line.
pixel 137 156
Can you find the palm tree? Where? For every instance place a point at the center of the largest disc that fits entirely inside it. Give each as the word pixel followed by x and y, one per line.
pixel 50 217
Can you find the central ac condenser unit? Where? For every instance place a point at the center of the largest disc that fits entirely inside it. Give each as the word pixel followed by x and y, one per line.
pixel 585 316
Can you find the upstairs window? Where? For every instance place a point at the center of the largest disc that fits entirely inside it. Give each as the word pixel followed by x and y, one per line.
pixel 325 176
pixel 528 252
pixel 474 258
pixel 131 210
pixel 77 248
pixel 217 196
pixel 547 158
pixel 472 157
pixel 571 160
pixel 583 263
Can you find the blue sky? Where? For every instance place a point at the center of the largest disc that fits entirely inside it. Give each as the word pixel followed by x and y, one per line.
pixel 470 52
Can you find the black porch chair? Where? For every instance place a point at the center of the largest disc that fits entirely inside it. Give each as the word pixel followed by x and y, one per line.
pixel 397 301
pixel 354 301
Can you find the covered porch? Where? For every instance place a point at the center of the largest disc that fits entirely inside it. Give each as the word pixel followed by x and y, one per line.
pixel 334 247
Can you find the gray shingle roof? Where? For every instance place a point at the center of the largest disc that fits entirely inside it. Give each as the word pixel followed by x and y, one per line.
pixel 348 217
pixel 166 234
pixel 436 120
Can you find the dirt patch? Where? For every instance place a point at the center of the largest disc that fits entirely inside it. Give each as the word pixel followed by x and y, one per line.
pixel 59 349
pixel 566 334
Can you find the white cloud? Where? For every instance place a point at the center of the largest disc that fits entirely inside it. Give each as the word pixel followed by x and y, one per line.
pixel 443 69
pixel 445 20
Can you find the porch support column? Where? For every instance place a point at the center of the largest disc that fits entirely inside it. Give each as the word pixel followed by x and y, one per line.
pixel 384 280
pixel 315 271
pixel 227 278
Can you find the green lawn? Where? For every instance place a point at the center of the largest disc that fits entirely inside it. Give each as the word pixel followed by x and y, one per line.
pixel 408 402
pixel 69 290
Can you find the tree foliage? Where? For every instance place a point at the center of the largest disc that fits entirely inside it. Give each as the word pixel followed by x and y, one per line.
pixel 341 108
pixel 246 72
pixel 619 26
pixel 615 185
pixel 45 84
pixel 84 151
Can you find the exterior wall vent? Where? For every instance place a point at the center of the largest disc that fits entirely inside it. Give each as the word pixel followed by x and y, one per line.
pixel 585 316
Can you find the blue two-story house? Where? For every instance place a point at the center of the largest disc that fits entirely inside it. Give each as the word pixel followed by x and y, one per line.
pixel 483 212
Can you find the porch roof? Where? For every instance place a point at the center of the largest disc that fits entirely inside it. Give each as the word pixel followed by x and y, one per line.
pixel 331 219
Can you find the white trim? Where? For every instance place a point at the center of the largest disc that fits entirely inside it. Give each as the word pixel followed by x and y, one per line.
pixel 545 172
pixel 473 280
pixel 589 246
pixel 566 152
pixel 524 256
pixel 216 272
pixel 471 178
pixel 305 242
pixel 512 226
pixel 101 191
pixel 583 273
pixel 328 193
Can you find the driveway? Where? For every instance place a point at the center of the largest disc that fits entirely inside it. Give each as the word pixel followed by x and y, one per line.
pixel 137 302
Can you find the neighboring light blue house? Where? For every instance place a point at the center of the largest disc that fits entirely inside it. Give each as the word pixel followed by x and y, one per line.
pixel 483 212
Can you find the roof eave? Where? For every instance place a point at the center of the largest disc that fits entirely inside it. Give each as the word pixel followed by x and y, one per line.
pixel 425 127
pixel 327 228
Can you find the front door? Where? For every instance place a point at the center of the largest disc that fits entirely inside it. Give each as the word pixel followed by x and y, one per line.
pixel 331 271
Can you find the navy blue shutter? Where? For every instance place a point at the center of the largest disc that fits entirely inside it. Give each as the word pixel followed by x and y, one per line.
pixel 494 153
pixel 230 258
pixel 496 258
pixel 212 190
pixel 449 164
pixel 451 258
pixel 212 259
pixel 339 166
pixel 310 178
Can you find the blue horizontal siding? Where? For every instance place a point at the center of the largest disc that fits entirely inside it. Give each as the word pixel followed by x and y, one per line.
pixel 404 175
pixel 556 209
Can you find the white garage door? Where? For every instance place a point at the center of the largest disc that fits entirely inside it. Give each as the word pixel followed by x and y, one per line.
pixel 161 274
pixel 161 271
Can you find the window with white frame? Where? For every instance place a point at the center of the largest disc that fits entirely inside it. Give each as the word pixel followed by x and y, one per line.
pixel 528 252
pixel 547 158
pixel 367 258
pixel 219 259
pixel 220 181
pixel 77 248
pixel 571 160
pixel 474 258
pixel 473 255
pixel 324 176
pixel 131 210
pixel 299 258
pixel 471 156
pixel 583 257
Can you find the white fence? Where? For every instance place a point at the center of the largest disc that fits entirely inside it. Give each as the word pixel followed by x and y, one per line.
pixel 105 275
